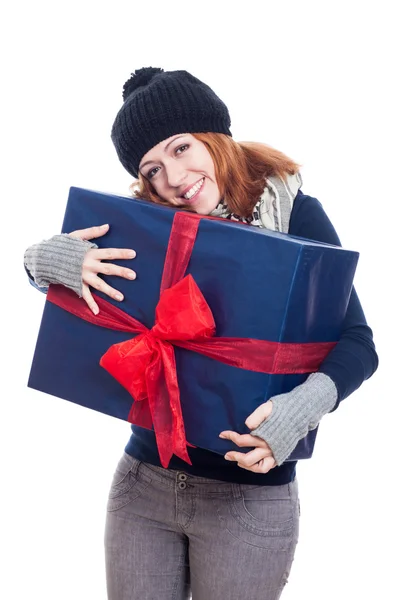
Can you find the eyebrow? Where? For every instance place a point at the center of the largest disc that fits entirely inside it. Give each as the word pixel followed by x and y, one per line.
pixel 166 148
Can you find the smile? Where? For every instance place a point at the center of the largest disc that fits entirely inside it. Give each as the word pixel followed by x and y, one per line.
pixel 194 190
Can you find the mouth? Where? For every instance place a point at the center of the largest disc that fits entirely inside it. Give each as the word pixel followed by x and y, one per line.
pixel 192 192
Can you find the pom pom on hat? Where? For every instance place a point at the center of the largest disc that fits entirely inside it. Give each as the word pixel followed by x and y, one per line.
pixel 139 79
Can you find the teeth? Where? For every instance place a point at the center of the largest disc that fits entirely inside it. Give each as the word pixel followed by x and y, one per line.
pixel 193 190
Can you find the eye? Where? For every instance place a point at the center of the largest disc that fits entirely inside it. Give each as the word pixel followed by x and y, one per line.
pixel 152 172
pixel 182 148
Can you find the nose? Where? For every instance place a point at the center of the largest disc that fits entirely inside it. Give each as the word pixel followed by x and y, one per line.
pixel 176 174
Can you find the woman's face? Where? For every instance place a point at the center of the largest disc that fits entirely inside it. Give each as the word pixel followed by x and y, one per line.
pixel 182 172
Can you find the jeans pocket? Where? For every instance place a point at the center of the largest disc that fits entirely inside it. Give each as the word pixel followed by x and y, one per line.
pixel 262 516
pixel 264 510
pixel 268 507
pixel 127 483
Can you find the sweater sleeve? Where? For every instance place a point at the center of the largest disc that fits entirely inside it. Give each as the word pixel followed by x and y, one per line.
pixel 354 359
pixel 57 260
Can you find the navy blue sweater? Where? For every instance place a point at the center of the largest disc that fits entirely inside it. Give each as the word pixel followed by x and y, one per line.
pixel 351 362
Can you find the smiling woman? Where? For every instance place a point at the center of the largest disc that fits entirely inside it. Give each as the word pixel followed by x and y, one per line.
pixel 216 530
pixel 240 169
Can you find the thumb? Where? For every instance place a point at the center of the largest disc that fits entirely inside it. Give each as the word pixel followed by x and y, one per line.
pixel 259 415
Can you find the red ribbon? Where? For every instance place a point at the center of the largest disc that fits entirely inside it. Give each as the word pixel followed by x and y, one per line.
pixel 145 365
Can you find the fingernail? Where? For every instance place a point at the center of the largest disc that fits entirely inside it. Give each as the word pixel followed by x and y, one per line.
pixel 228 457
pixel 119 297
pixel 221 435
pixel 131 254
pixel 106 225
pixel 132 275
pixel 95 311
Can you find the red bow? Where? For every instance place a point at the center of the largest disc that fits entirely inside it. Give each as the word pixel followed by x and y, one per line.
pixel 145 365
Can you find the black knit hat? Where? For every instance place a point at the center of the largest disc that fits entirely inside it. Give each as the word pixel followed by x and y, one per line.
pixel 159 104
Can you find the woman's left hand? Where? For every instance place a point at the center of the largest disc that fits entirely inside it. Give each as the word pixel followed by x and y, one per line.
pixel 259 460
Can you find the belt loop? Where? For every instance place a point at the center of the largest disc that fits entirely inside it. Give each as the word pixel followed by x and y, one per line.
pixel 236 491
pixel 135 466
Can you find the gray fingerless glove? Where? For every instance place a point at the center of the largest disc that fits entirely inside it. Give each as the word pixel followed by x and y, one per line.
pixel 296 413
pixel 58 260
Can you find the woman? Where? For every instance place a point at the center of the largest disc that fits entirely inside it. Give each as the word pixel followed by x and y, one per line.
pixel 225 526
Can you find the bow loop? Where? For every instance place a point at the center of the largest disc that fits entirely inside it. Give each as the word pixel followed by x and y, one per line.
pixel 128 362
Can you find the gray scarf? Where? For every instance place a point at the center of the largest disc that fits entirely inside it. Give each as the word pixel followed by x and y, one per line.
pixel 274 206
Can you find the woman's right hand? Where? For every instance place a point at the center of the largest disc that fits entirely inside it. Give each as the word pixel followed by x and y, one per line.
pixel 92 266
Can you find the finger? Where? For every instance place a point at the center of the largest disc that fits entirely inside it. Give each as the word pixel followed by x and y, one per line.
pixel 101 286
pixel 263 466
pixel 245 440
pixel 110 269
pixel 250 458
pixel 88 298
pixel 259 415
pixel 90 232
pixel 112 253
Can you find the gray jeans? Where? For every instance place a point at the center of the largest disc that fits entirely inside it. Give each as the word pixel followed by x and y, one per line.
pixel 169 535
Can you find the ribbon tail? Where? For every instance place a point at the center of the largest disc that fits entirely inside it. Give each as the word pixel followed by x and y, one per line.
pixel 165 407
pixel 180 443
pixel 140 414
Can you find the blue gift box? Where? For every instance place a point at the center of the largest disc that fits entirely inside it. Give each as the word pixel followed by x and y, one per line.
pixel 258 284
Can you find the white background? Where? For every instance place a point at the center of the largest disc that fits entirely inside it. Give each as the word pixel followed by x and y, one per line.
pixel 317 80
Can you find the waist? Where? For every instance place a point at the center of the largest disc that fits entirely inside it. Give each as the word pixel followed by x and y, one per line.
pixel 205 465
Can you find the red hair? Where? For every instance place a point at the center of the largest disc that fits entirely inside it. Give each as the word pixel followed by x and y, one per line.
pixel 240 169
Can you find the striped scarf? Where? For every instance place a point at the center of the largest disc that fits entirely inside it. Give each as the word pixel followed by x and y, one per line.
pixel 272 210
